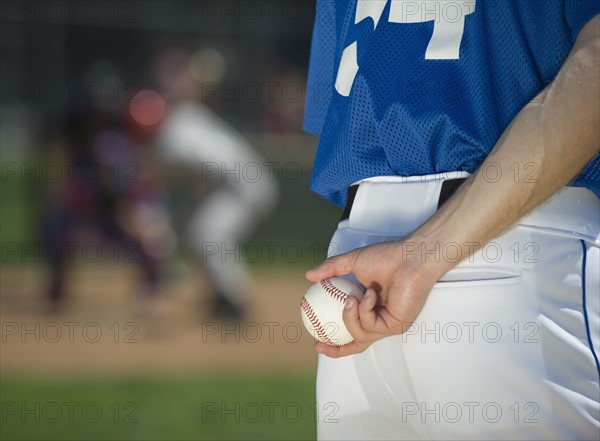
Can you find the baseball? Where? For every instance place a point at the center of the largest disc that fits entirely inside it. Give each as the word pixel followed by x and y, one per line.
pixel 322 308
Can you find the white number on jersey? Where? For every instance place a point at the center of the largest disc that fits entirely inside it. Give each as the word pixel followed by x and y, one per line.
pixel 449 25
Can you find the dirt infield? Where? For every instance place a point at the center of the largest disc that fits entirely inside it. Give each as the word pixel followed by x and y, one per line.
pixel 98 330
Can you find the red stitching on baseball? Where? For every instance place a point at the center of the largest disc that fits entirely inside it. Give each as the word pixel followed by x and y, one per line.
pixel 334 292
pixel 314 321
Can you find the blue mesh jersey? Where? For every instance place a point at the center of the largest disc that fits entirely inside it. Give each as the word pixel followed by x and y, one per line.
pixel 414 87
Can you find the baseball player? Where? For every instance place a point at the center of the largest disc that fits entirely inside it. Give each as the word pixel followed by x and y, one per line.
pixel 462 137
pixel 121 210
pixel 243 194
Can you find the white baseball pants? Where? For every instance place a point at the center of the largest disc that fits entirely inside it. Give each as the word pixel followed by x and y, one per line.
pixel 507 344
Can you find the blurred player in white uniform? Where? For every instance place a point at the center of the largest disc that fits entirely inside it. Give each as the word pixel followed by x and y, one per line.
pixel 243 190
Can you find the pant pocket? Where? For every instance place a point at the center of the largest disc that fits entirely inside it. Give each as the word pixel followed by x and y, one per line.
pixel 479 276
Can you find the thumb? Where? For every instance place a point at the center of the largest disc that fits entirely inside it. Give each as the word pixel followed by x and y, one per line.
pixel 334 266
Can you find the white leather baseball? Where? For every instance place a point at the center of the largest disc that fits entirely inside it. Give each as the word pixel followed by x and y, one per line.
pixel 322 307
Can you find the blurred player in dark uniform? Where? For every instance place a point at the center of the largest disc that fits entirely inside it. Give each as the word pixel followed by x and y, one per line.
pixel 110 195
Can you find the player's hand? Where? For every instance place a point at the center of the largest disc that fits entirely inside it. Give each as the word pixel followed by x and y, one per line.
pixel 396 290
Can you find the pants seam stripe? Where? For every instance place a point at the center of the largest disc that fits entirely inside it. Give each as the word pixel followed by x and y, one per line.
pixel 584 306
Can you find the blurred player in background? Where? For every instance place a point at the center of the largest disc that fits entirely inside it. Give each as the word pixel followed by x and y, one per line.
pixel 196 143
pixel 111 195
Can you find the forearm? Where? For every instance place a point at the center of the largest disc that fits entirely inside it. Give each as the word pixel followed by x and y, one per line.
pixel 544 148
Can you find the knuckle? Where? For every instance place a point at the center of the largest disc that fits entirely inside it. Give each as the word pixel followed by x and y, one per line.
pixel 349 263
pixel 398 324
pixel 401 326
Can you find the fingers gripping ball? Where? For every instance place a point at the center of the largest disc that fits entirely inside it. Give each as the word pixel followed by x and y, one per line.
pixel 322 308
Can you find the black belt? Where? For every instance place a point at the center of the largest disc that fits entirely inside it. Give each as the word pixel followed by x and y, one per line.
pixel 449 187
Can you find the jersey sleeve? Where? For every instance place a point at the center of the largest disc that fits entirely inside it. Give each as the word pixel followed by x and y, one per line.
pixel 578 13
pixel 321 67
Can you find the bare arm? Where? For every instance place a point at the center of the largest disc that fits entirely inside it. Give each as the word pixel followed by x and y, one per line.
pixel 558 132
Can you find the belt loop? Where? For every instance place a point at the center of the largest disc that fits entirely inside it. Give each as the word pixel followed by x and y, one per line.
pixel 448 189
pixel 351 195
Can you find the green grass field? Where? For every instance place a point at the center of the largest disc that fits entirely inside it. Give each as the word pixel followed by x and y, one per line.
pixel 210 406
